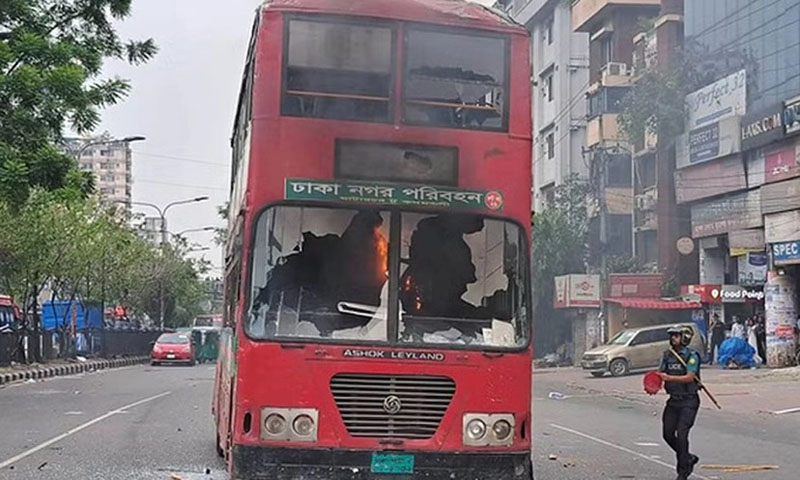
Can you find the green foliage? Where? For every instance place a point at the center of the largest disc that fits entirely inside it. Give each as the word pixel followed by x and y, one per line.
pixel 51 56
pixel 625 264
pixel 81 250
pixel 559 248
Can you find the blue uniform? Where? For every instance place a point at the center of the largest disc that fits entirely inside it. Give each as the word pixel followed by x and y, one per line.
pixel 682 406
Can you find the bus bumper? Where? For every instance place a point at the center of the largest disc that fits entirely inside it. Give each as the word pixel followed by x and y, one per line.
pixel 260 463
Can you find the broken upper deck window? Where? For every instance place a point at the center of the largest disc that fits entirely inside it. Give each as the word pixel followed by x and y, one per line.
pixel 338 70
pixel 456 81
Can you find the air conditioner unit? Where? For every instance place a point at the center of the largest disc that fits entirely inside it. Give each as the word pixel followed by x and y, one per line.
pixel 614 68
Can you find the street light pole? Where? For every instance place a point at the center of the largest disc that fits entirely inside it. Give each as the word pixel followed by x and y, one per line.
pixel 162 213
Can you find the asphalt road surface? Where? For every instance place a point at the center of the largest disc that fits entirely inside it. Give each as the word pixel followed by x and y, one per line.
pixel 605 437
pixel 132 423
pixel 152 422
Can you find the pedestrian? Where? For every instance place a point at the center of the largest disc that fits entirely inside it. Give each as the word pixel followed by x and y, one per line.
pixel 738 330
pixel 761 338
pixel 717 336
pixel 680 370
pixel 752 338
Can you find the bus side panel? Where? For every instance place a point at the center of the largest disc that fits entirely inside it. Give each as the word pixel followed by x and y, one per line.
pixel 223 388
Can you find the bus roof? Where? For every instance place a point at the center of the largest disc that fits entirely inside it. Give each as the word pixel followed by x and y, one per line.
pixel 446 12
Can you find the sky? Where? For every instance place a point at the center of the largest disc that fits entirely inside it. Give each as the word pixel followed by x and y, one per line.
pixel 184 101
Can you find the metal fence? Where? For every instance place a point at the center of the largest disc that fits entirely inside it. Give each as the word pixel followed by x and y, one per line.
pixel 22 347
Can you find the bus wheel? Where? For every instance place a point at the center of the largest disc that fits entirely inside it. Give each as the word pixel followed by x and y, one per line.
pixel 220 451
pixel 619 367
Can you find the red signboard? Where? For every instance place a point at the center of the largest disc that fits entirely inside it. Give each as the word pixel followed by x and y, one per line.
pixel 704 293
pixel 781 165
pixel 647 285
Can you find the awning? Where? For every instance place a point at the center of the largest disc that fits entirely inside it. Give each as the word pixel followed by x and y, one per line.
pixel 654 303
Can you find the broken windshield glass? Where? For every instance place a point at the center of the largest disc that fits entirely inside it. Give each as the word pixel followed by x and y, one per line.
pixel 324 273
pixel 462 281
pixel 320 273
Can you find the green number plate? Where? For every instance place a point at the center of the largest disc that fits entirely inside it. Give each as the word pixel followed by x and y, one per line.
pixel 392 463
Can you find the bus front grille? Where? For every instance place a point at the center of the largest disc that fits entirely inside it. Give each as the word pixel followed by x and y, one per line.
pixel 392 406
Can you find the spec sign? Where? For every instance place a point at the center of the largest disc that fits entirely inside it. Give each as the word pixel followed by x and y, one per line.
pixel 786 253
pixel 391 194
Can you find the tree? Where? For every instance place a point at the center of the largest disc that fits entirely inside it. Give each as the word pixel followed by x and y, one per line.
pixel 51 56
pixel 559 248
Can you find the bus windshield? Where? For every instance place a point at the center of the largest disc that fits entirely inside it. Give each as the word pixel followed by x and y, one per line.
pixel 324 273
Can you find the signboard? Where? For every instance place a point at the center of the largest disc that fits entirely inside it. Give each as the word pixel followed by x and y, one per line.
pixel 740 294
pixel 755 169
pixel 763 127
pixel 782 227
pixel 736 212
pixel 644 285
pixel 786 253
pixel 723 98
pixel 712 141
pixel 782 165
pixel 391 194
pixel 577 291
pixel 703 293
pixel 753 269
pixel 710 179
pixel 781 196
pixel 746 239
pixel 791 116
pixel 685 245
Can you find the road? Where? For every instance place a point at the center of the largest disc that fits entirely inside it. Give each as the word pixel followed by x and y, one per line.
pixel 148 423
pixel 131 423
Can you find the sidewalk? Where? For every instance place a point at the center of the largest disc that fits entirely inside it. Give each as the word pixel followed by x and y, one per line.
pixel 759 392
pixel 20 373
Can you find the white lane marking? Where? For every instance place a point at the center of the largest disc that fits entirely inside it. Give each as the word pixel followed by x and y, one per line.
pixel 621 448
pixel 77 429
pixel 646 444
pixel 788 410
pixel 73 413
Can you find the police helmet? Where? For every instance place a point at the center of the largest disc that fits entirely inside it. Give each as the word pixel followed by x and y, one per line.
pixel 684 331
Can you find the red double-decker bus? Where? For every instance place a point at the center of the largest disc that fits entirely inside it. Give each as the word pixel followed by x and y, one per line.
pixel 377 289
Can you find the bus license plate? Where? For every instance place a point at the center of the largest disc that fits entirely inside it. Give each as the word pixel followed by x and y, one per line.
pixel 392 463
pixel 170 356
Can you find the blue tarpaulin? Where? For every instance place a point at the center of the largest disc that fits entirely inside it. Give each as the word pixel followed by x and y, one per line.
pixel 59 314
pixel 737 350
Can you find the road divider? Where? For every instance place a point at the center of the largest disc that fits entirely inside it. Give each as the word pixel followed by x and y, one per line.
pixel 62 369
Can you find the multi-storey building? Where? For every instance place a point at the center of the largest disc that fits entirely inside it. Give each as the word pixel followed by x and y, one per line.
pixel 560 77
pixel 110 162
pixel 611 26
pixel 737 170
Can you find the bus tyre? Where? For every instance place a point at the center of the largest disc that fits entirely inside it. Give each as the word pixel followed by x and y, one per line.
pixel 618 367
pixel 154 363
pixel 598 374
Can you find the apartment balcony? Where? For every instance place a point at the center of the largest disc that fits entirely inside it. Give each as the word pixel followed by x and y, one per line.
pixel 603 128
pixel 586 13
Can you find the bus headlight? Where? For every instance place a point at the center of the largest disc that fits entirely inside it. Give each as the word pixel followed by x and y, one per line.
pixel 275 424
pixel 476 429
pixel 488 430
pixel 303 425
pixel 289 424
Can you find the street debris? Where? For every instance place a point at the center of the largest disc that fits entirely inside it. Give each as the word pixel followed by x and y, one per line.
pixel 552 456
pixel 556 396
pixel 740 468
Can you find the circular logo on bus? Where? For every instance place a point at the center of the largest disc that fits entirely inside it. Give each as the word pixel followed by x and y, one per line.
pixel 494 200
pixel 392 404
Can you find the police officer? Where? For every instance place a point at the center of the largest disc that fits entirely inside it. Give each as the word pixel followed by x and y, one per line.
pixel 681 377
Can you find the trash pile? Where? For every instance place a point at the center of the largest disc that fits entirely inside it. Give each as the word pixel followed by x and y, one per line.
pixel 736 353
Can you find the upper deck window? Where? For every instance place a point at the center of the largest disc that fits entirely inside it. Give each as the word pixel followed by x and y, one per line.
pixel 455 80
pixel 338 70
